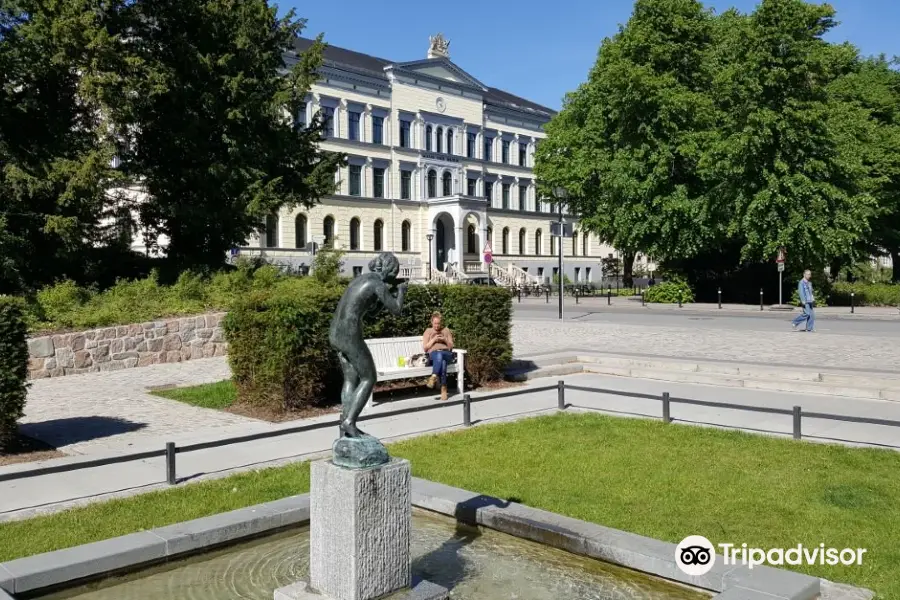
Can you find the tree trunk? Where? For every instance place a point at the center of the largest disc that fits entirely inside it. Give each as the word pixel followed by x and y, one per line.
pixel 895 265
pixel 628 269
pixel 835 268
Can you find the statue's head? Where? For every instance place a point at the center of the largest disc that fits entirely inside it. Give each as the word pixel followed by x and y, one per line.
pixel 386 265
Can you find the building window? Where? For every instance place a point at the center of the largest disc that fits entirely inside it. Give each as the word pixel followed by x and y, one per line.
pixel 449 141
pixel 428 138
pixel 328 230
pixel 553 250
pixel 541 273
pixel 505 241
pixel 574 243
pixel 523 154
pixel 470 144
pixel 489 192
pixel 377 130
pixel 523 197
pixel 471 186
pixel 488 145
pixel 378 182
pixel 447 184
pixel 440 140
pixel 490 236
pixel 377 232
pixel 405 236
pixel 577 274
pixel 432 183
pixel 587 274
pixel 585 238
pixel 555 274
pixel 354 233
pixel 505 195
pixel 354 126
pixel 272 231
pixel 405 185
pixel 504 152
pixel 328 118
pixel 471 240
pixel 355 180
pixel 404 134
pixel 357 271
pixel 300 231
pixel 301 115
pixel 538 241
pixel 522 238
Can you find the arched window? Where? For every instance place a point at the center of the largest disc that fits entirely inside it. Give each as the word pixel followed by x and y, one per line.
pixel 405 236
pixel 522 241
pixel 377 234
pixel 538 242
pixel 449 141
pixel 448 184
pixel 432 183
pixel 439 138
pixel 574 243
pixel 471 241
pixel 505 249
pixel 272 231
pixel 428 138
pixel 300 231
pixel 585 238
pixel 490 236
pixel 553 242
pixel 354 233
pixel 328 230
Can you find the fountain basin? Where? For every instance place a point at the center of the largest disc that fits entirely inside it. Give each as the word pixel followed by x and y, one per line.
pixel 640 556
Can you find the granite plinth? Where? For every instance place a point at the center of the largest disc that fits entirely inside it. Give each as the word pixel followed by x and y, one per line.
pixel 359 530
pixel 424 590
pixel 364 452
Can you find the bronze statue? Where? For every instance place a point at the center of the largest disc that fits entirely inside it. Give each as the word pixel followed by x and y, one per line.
pixel 366 294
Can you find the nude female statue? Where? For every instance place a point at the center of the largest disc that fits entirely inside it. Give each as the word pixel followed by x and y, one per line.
pixel 366 294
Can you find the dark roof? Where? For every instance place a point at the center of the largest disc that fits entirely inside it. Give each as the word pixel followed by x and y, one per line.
pixel 375 66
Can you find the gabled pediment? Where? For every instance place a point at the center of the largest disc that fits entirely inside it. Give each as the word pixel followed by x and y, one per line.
pixel 437 68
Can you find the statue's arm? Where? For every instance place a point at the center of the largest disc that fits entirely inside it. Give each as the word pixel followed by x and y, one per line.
pixel 393 303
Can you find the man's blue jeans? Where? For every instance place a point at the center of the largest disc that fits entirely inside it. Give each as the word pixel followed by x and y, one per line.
pixel 439 361
pixel 808 315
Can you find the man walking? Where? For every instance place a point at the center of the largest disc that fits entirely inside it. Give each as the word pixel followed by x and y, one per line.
pixel 807 301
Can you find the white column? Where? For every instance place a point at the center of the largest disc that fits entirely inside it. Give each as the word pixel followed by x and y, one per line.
pixel 460 249
pixel 366 134
pixel 483 240
pixel 368 175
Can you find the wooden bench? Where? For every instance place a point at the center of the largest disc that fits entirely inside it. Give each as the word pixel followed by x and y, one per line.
pixel 386 351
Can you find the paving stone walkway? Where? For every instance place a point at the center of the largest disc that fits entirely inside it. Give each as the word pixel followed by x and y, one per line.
pixel 111 411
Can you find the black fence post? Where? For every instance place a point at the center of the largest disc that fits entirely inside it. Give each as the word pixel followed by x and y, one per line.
pixel 609 295
pixel 720 298
pixel 679 301
pixel 547 292
pixel 519 292
pixel 561 394
pixel 643 301
pixel 170 463
pixel 852 302
pixel 667 415
pixel 576 295
pixel 797 418
pixel 760 298
pixel 467 410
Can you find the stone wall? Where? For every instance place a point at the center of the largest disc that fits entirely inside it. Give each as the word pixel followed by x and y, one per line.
pixel 126 346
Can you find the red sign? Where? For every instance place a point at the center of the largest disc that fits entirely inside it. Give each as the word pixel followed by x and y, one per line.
pixel 488 258
pixel 487 248
pixel 781 256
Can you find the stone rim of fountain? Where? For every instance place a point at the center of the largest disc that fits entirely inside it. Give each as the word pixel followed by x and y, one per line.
pixel 64 568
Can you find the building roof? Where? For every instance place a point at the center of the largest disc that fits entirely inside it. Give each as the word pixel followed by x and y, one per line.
pixel 374 67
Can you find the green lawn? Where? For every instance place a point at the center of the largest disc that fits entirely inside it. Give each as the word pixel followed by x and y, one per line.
pixel 663 481
pixel 219 395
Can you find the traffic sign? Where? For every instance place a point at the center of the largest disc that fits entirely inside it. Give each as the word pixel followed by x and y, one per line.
pixel 487 248
pixel 781 256
pixel 781 267
pixel 488 258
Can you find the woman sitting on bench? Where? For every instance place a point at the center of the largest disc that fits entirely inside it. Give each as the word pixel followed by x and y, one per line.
pixel 438 343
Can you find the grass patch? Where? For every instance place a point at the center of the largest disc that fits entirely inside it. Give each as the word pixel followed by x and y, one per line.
pixel 219 395
pixel 662 481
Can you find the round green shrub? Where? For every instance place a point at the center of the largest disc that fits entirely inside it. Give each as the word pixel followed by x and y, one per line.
pixel 669 292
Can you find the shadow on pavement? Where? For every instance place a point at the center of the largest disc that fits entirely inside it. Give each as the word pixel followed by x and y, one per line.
pixel 73 430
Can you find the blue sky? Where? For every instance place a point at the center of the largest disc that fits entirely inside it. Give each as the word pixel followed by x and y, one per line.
pixel 535 49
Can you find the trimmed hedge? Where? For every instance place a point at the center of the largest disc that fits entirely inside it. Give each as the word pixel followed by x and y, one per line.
pixel 13 368
pixel 669 292
pixel 278 339
pixel 867 294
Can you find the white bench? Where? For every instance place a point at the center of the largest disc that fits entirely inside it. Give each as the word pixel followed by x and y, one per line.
pixel 386 351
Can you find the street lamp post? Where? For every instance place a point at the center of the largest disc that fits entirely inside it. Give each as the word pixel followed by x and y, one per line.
pixel 560 194
pixel 429 237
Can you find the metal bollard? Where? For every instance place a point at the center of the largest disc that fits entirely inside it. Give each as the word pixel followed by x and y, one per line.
pixel 643 302
pixel 797 417
pixel 760 298
pixel 852 302
pixel 170 463
pixel 576 295
pixel 609 296
pixel 519 293
pixel 547 292
pixel 679 301
pixel 667 415
pixel 561 395
pixel 720 298
pixel 467 410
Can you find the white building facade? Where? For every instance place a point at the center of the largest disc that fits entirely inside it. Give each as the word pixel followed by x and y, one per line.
pixel 440 172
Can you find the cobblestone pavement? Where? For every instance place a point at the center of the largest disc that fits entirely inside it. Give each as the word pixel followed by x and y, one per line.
pixel 794 348
pixel 100 412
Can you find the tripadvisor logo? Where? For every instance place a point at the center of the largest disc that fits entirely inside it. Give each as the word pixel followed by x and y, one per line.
pixel 696 555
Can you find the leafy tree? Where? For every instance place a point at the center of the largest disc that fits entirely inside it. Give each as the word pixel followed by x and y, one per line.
pixel 203 104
